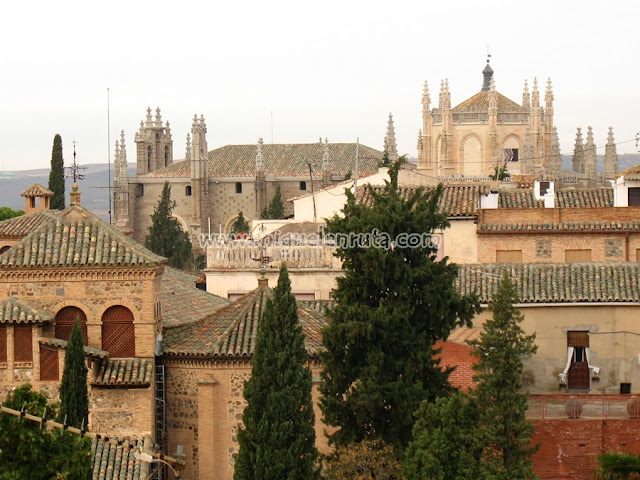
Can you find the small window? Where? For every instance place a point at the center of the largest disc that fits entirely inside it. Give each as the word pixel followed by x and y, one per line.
pixel 544 187
pixel 634 197
pixel 508 256
pixel 3 343
pixel 22 343
pixel 139 190
pixel 49 370
pixel 166 155
pixel 149 157
pixel 303 186
pixel 578 367
pixel 571 256
pixel 510 154
pixel 187 190
pixel 32 201
pixel 238 187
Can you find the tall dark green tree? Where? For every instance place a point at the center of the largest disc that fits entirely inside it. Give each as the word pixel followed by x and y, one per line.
pixel 393 302
pixel 56 175
pixel 505 432
pixel 278 438
pixel 74 397
pixel 30 451
pixel 240 225
pixel 275 209
pixel 165 236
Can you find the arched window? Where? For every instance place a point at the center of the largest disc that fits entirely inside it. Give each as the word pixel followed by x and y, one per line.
pixel 118 332
pixel 303 186
pixel 238 187
pixel 149 156
pixel 65 319
pixel 4 249
pixel 187 192
pixel 166 155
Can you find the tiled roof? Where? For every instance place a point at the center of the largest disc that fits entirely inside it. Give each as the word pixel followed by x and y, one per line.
pixel 77 237
pixel 124 372
pixel 518 199
pixel 319 306
pixel 231 331
pixel 280 160
pixel 557 282
pixel 456 201
pixel 182 302
pixel 37 190
pixel 88 350
pixel 585 197
pixel 13 310
pixel 463 335
pixel 19 227
pixel 631 173
pixel 117 461
pixel 479 103
pixel 559 227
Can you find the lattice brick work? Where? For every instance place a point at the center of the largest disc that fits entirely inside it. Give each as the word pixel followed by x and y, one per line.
pixel 22 343
pixel 3 343
pixel 118 332
pixel 48 363
pixel 65 320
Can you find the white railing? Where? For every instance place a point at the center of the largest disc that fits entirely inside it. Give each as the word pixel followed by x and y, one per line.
pixel 294 256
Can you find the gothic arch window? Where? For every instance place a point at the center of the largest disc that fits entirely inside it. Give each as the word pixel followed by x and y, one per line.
pixel 303 186
pixel 65 318
pixel 238 187
pixel 187 190
pixel 118 332
pixel 149 156
pixel 166 155
pixel 511 149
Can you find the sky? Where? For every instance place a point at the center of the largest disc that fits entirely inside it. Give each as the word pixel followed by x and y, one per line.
pixel 292 71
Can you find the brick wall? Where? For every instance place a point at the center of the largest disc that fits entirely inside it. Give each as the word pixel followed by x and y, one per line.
pixel 556 215
pixel 458 356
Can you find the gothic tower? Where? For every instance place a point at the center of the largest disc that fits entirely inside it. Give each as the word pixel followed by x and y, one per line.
pixel 121 186
pixel 390 141
pixel 199 174
pixel 590 159
pixel 424 137
pixel 261 181
pixel 610 157
pixel 578 153
pixel 154 144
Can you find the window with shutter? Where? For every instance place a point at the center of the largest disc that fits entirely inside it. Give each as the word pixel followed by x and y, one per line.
pixel 3 343
pixel 118 332
pixel 48 364
pixel 22 343
pixel 65 319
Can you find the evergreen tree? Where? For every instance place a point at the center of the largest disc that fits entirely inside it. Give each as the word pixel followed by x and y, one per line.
pixel 618 466
pixel 7 212
pixel 386 161
pixel 446 444
pixel 74 397
pixel 393 302
pixel 30 451
pixel 275 209
pixel 166 237
pixel 56 175
pixel 505 432
pixel 278 438
pixel 240 225
pixel 370 459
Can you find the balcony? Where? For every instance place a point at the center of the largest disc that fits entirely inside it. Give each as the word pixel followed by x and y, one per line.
pixel 584 406
pixel 242 255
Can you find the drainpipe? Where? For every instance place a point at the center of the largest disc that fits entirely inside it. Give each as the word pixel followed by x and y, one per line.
pixel 626 246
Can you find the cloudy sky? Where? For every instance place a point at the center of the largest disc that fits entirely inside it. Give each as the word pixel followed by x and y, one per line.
pixel 292 71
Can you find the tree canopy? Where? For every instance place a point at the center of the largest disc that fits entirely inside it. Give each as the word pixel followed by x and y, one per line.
pixel 392 304
pixel 74 397
pixel 278 438
pixel 56 175
pixel 7 213
pixel 370 459
pixel 275 209
pixel 240 225
pixel 166 237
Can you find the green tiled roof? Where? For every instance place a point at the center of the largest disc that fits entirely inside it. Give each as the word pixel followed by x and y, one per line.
pixel 182 302
pixel 479 103
pixel 456 201
pixel 88 350
pixel 19 227
pixel 231 331
pixel 557 282
pixel 124 372
pixel 559 227
pixel 77 238
pixel 585 197
pixel 117 461
pixel 279 160
pixel 13 310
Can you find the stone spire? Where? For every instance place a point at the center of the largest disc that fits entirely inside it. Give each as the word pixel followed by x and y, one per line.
pixel 199 170
pixel 158 122
pixel 187 153
pixel 528 165
pixel 494 150
pixel 426 98
pixel 446 97
pixel 149 121
pixel 260 185
pixel 590 158
pixel 326 164
pixel 424 140
pixel 548 96
pixel 259 156
pixel 526 98
pixel 441 95
pixel 578 153
pixel 555 157
pixel 535 94
pixel 487 74
pixel 610 157
pixel 390 141
pixel 154 144
pixel 121 185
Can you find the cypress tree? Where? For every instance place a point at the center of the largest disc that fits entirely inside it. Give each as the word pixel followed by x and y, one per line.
pixel 278 438
pixel 275 209
pixel 74 397
pixel 505 432
pixel 56 175
pixel 240 225
pixel 392 304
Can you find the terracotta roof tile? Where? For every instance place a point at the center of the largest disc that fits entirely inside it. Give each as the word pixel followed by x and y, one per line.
pixel 518 199
pixel 124 372
pixel 88 350
pixel 556 283
pixel 279 159
pixel 13 310
pixel 37 190
pixel 77 237
pixel 585 197
pixel 456 201
pixel 19 227
pixel 479 103
pixel 182 302
pixel 232 330
pixel 560 227
pixel 463 335
pixel 117 461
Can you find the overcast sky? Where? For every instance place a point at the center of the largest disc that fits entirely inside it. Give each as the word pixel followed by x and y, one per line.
pixel 333 69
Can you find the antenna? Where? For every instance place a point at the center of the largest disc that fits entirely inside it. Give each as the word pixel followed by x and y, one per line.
pixel 109 154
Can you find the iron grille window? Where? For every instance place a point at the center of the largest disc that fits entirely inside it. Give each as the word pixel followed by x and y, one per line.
pixel 65 320
pixel 48 364
pixel 3 343
pixel 22 343
pixel 118 332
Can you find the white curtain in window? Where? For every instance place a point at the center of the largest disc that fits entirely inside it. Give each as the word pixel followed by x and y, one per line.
pixel 563 375
pixel 594 370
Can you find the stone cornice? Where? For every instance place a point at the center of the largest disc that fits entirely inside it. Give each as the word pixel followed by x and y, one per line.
pixel 79 273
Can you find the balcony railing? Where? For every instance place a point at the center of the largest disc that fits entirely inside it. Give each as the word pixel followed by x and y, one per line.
pixel 248 257
pixel 583 406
